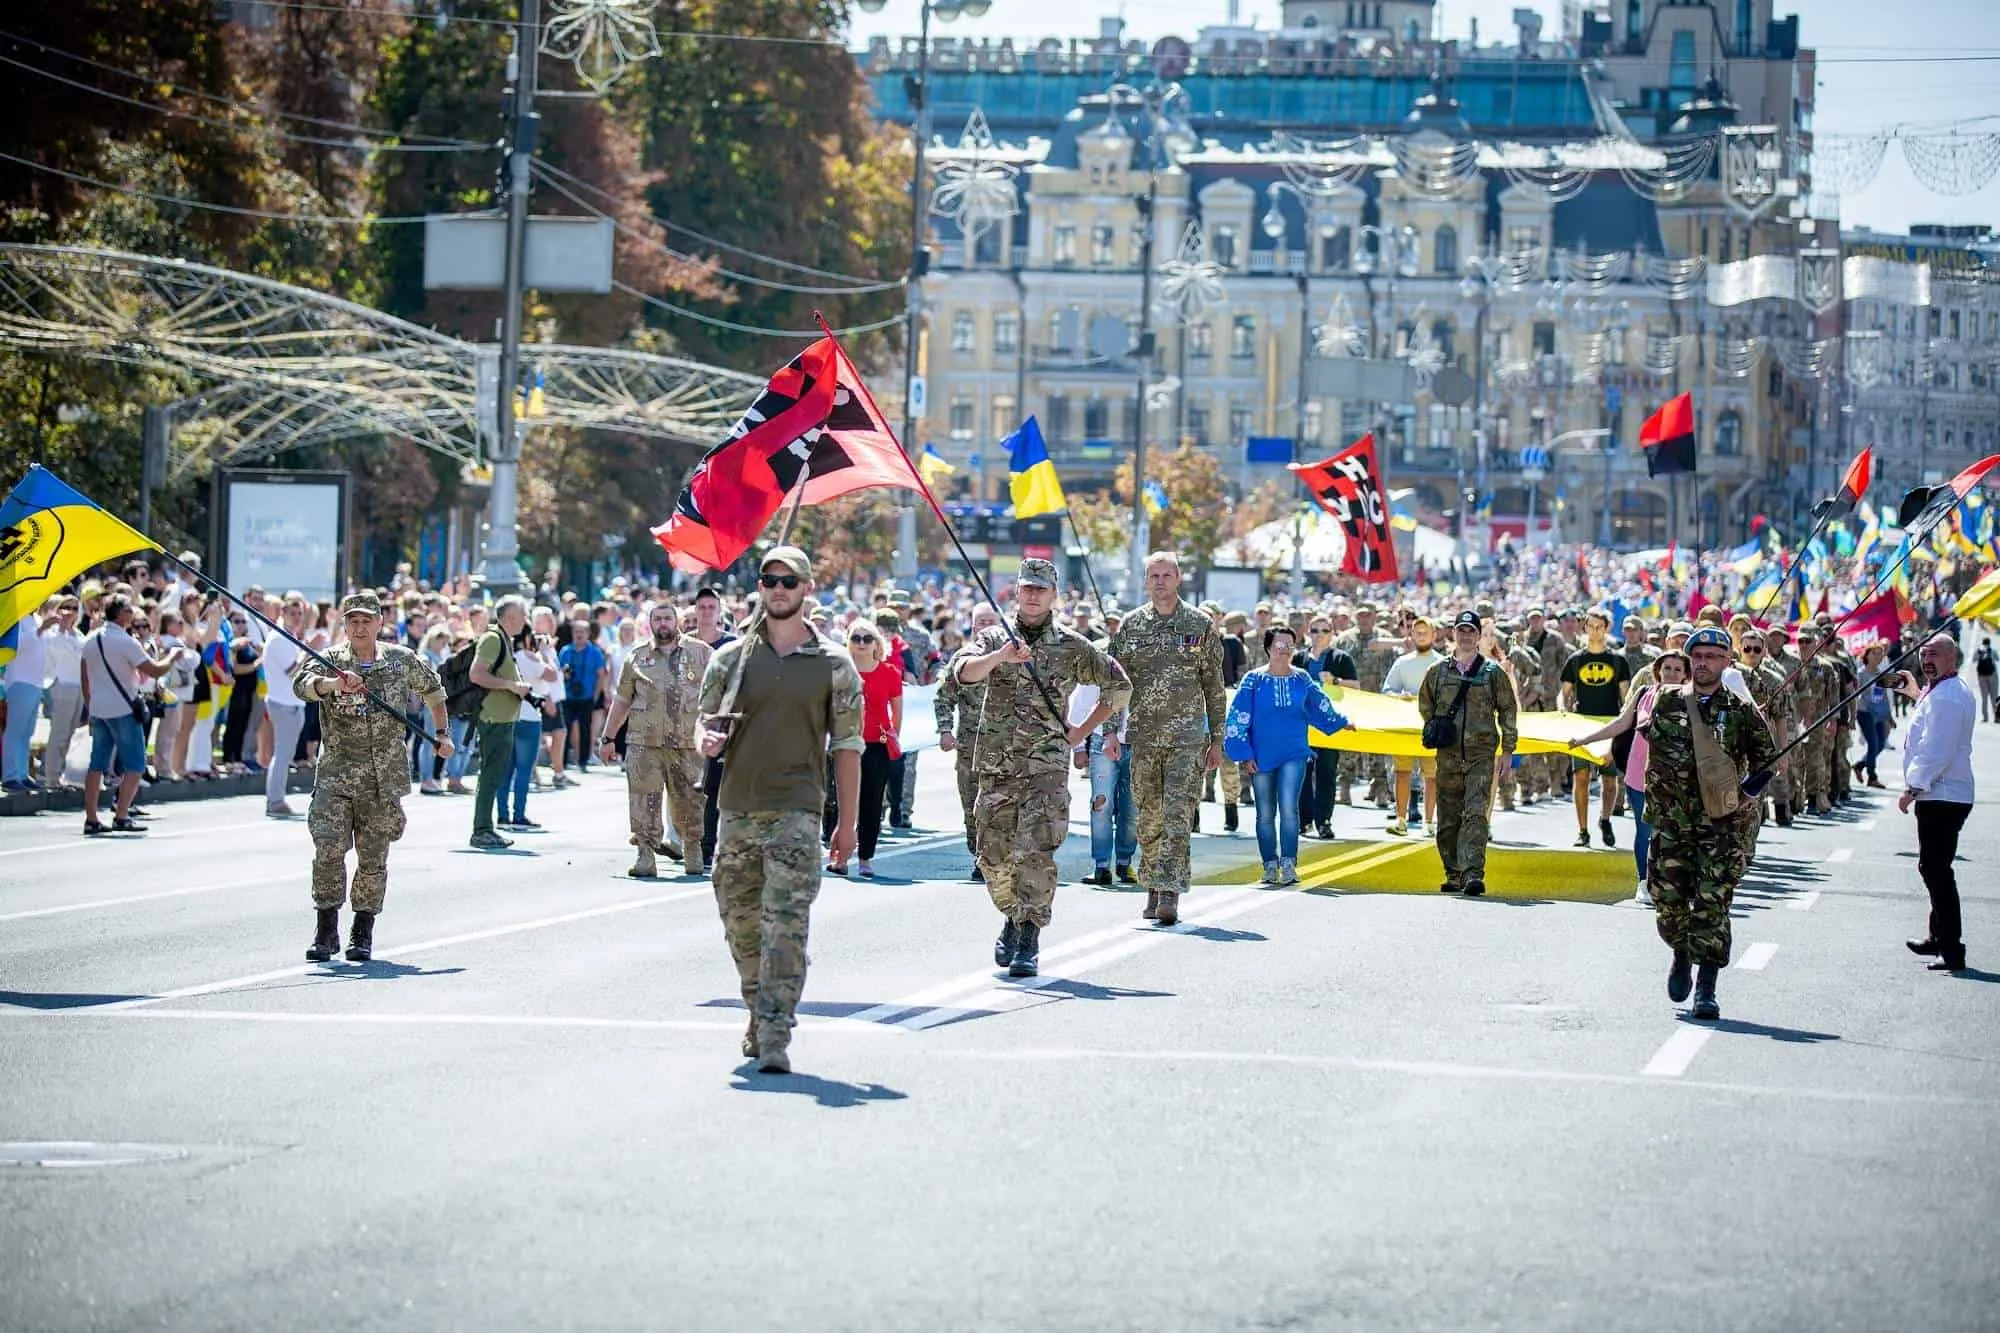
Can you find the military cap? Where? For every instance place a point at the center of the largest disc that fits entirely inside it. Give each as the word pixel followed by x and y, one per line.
pixel 1211 608
pixel 1638 620
pixel 360 604
pixel 885 617
pixel 898 597
pixel 1484 607
pixel 1537 611
pixel 1264 607
pixel 1680 627
pixel 1466 620
pixel 1235 618
pixel 1367 609
pixel 1708 636
pixel 1037 573
pixel 791 557
pixel 1507 627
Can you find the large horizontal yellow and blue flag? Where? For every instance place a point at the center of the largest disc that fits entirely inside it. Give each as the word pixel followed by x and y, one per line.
pixel 1031 476
pixel 49 534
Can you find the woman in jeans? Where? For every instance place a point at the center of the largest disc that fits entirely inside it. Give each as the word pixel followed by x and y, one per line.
pixel 881 723
pixel 1670 671
pixel 1275 707
pixel 1875 713
pixel 535 661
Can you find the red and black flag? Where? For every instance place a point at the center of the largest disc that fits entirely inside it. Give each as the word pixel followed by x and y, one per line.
pixel 1668 438
pixel 1853 485
pixel 814 420
pixel 1926 506
pixel 1349 486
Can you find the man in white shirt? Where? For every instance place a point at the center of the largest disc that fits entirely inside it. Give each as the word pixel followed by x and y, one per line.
pixel 26 679
pixel 282 703
pixel 113 663
pixel 1400 681
pixel 1937 782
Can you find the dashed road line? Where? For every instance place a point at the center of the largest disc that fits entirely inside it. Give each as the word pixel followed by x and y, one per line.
pixel 1804 902
pixel 1673 1058
pixel 1757 957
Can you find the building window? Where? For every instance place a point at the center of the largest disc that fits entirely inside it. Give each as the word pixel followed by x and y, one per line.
pixel 1444 251
pixel 1635 20
pixel 1312 427
pixel 1729 435
pixel 961 331
pixel 1006 331
pixel 1335 250
pixel 1064 246
pixel 961 419
pixel 1523 240
pixel 1240 422
pixel 1201 341
pixel 1103 245
pixel 1953 335
pixel 1222 246
pixel 1545 337
pixel 1058 417
pixel 1243 337
pixel 986 245
pixel 1096 419
pixel 1745 21
pixel 1197 424
pixel 1680 70
pixel 1003 416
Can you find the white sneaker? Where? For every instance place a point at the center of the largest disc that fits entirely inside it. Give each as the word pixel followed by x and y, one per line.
pixel 1644 897
pixel 1270 873
pixel 1397 827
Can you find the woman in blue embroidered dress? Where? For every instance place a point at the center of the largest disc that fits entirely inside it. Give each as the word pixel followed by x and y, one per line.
pixel 1269 720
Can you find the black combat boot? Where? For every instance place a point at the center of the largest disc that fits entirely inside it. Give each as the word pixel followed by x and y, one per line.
pixel 1027 950
pixel 1003 948
pixel 326 936
pixel 1705 1006
pixel 1784 815
pixel 1680 977
pixel 361 938
pixel 1229 817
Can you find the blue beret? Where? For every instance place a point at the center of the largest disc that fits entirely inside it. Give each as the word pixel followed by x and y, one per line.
pixel 1710 637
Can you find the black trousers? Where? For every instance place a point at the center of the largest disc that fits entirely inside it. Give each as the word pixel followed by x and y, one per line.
pixel 1317 791
pixel 711 783
pixel 877 770
pixel 1938 825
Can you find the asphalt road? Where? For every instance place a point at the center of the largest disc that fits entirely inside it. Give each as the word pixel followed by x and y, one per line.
pixel 1358 1105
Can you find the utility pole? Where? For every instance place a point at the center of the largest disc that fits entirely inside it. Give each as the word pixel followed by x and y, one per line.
pixel 1143 354
pixel 502 572
pixel 1299 428
pixel 920 122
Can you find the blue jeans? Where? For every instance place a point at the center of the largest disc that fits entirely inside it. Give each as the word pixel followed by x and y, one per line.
pixel 119 738
pixel 461 748
pixel 1642 841
pixel 1278 809
pixel 1111 809
pixel 1875 732
pixel 24 709
pixel 521 769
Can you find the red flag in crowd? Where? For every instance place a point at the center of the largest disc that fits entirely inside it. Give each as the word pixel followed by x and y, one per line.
pixel 1349 486
pixel 815 419
pixel 1668 438
pixel 1925 507
pixel 1877 619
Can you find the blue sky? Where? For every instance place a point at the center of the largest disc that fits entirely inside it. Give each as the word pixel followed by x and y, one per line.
pixel 1877 69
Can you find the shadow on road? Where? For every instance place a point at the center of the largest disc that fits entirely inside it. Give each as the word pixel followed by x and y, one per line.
pixel 825 1091
pixel 1219 935
pixel 1089 990
pixel 382 970
pixel 1745 1028
pixel 21 999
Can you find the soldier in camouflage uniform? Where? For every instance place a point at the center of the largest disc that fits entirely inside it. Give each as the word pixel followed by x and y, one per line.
pixel 1374 653
pixel 958 709
pixel 1638 653
pixel 363 772
pixel 1814 689
pixel 1486 730
pixel 1834 653
pixel 785 696
pixel 659 693
pixel 1526 672
pixel 1774 701
pixel 1548 773
pixel 1696 862
pixel 1173 656
pixel 1021 813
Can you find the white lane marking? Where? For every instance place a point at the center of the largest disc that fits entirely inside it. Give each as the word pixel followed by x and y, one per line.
pixel 1865 826
pixel 80 842
pixel 404 950
pixel 467 1020
pixel 1757 957
pixel 93 905
pixel 1839 855
pixel 1804 902
pixel 1673 1058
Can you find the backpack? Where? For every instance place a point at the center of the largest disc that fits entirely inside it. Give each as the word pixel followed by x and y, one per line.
pixel 462 699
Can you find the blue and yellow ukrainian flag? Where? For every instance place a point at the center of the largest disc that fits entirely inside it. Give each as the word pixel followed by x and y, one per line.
pixel 933 467
pixel 1031 477
pixel 1156 497
pixel 49 534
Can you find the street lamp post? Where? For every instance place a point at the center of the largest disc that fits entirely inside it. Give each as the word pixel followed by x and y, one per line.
pixel 1394 254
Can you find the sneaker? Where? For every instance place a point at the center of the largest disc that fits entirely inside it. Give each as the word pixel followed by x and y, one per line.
pixel 429 788
pixel 280 811
pixel 1583 837
pixel 526 823
pixel 487 841
pixel 1288 871
pixel 864 869
pixel 1270 873
pixel 1125 875
pixel 1604 831
pixel 1644 897
pixel 1397 827
pixel 1100 877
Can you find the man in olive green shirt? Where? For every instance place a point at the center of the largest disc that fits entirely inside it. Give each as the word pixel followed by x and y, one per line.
pixel 493 671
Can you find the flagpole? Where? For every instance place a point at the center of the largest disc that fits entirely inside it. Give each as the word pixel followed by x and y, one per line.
pixel 792 514
pixel 1090 575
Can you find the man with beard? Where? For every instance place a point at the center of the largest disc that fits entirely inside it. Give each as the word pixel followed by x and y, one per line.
pixel 659 691
pixel 781 697
pixel 1021 812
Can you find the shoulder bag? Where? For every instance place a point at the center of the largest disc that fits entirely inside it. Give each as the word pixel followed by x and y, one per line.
pixel 1441 732
pixel 1714 770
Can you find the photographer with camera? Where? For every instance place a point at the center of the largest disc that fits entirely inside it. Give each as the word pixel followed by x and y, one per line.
pixel 1937 788
pixel 113 666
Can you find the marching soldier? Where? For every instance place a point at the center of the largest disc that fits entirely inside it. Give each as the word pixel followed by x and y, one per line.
pixel 1815 688
pixel 1774 701
pixel 1783 717
pixel 1474 691
pixel 959 708
pixel 1839 775
pixel 1173 656
pixel 659 693
pixel 1697 860
pixel 781 697
pixel 363 772
pixel 1516 776
pixel 1638 653
pixel 1021 812
pixel 1550 772
pixel 1374 653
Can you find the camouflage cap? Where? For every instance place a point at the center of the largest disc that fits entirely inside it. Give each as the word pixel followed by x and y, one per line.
pixel 1367 609
pixel 1638 620
pixel 1211 608
pixel 791 557
pixel 360 604
pixel 1680 627
pixel 1235 618
pixel 1037 573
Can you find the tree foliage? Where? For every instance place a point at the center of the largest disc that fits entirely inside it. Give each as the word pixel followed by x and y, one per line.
pixel 1190 524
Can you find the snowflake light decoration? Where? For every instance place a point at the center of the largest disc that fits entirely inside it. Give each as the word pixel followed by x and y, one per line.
pixel 1340 335
pixel 974 186
pixel 1190 282
pixel 601 37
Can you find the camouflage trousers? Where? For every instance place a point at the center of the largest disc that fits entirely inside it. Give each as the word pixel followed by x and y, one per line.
pixel 359 817
pixel 967 773
pixel 1510 782
pixel 1166 781
pixel 1374 767
pixel 767 874
pixel 651 770
pixel 1464 817
pixel 1020 827
pixel 1814 761
pixel 1692 873
pixel 1840 774
pixel 1230 776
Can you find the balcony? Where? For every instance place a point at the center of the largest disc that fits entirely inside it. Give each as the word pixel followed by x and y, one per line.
pixel 1046 360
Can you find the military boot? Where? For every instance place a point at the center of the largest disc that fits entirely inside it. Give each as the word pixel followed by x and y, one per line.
pixel 694 865
pixel 326 936
pixel 361 938
pixel 1027 950
pixel 750 1032
pixel 774 1042
pixel 1169 912
pixel 1003 948
pixel 1784 814
pixel 1229 817
pixel 643 865
pixel 1705 1006
pixel 1680 977
pixel 1152 912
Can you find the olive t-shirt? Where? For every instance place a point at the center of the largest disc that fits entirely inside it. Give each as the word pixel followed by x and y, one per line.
pixel 792 710
pixel 499 705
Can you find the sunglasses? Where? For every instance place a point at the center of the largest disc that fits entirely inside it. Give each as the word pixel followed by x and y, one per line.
pixel 1752 652
pixel 785 581
pixel 862 638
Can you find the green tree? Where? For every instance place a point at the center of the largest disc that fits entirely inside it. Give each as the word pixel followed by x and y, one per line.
pixel 1191 523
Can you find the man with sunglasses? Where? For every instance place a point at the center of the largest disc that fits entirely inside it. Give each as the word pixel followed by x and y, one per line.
pixel 659 694
pixel 1774 701
pixel 781 697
